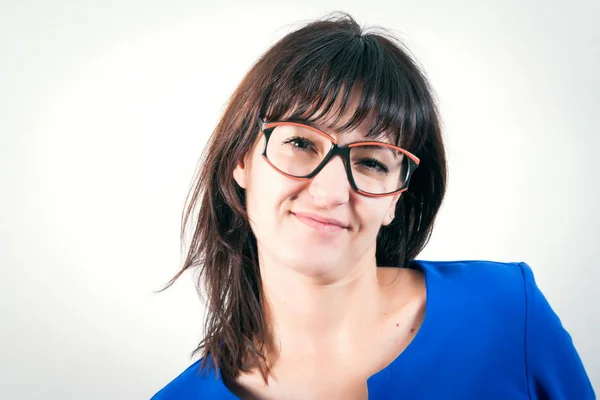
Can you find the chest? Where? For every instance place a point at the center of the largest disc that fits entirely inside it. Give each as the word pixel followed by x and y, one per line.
pixel 305 382
pixel 329 378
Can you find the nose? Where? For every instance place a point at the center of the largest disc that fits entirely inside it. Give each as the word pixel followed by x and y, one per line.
pixel 330 187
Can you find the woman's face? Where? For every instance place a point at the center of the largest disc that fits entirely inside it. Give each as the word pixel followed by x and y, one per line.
pixel 320 227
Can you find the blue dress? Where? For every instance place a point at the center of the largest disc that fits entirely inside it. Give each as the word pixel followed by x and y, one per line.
pixel 488 333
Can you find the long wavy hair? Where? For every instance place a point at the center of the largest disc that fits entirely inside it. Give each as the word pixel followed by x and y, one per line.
pixel 300 78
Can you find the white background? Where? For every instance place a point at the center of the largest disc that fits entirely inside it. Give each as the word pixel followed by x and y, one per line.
pixel 105 107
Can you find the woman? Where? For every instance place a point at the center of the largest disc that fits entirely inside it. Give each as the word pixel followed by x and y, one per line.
pixel 319 187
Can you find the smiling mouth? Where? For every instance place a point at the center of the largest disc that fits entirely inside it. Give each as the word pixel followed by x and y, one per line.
pixel 322 225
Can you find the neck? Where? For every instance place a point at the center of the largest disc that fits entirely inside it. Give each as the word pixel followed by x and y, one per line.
pixel 320 315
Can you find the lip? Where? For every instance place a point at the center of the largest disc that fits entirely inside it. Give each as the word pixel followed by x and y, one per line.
pixel 320 223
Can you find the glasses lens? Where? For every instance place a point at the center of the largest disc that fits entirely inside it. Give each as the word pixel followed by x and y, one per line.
pixel 296 150
pixel 378 169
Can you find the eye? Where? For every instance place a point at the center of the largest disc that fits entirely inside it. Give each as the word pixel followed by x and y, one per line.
pixel 299 143
pixel 374 164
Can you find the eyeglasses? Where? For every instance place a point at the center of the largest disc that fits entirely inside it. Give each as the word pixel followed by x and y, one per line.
pixel 300 151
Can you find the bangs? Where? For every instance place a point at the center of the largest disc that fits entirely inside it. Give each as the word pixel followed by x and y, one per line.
pixel 352 77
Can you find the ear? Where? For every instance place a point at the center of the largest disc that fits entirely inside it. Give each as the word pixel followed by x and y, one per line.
pixel 240 174
pixel 391 212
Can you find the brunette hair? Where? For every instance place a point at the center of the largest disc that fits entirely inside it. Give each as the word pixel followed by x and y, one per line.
pixel 300 78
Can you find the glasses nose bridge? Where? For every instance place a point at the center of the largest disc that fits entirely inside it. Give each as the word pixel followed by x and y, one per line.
pixel 337 151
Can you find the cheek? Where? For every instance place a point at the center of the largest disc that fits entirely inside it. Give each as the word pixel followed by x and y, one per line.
pixel 268 191
pixel 372 212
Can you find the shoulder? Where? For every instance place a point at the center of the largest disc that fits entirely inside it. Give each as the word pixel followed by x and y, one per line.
pixel 487 296
pixel 191 383
pixel 502 304
pixel 471 268
pixel 483 279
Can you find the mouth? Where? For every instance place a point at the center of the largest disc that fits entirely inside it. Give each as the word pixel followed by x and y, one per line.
pixel 320 223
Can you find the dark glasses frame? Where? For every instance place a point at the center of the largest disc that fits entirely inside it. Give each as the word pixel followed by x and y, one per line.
pixel 343 151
